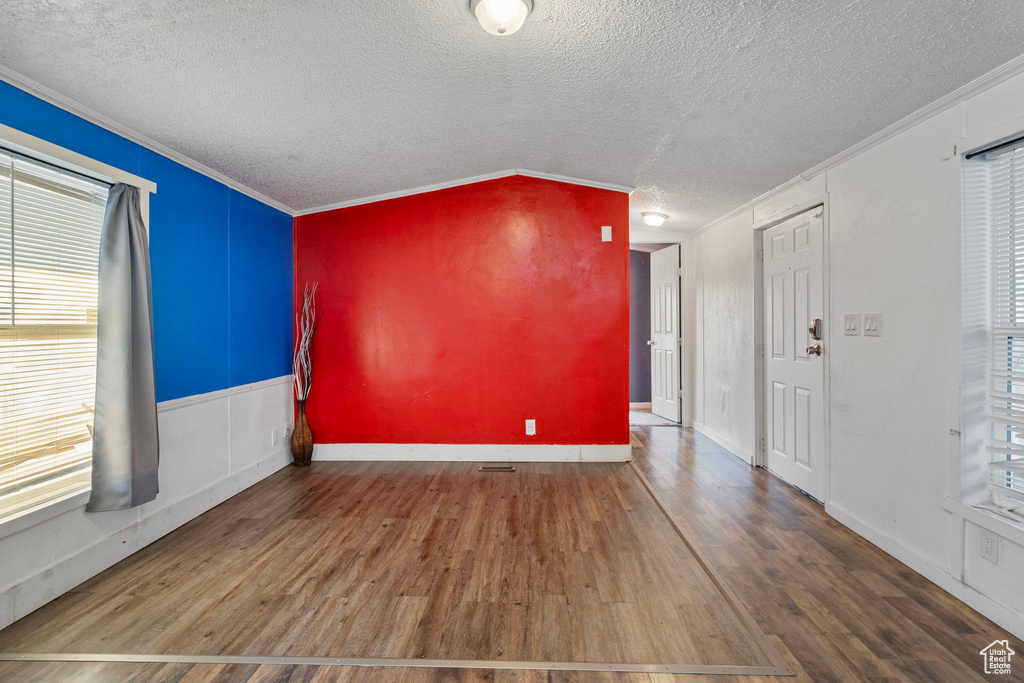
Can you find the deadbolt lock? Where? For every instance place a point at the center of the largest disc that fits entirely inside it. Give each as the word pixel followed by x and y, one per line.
pixel 815 329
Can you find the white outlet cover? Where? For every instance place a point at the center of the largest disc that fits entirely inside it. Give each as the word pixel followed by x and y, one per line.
pixel 606 233
pixel 273 437
pixel 851 324
pixel 872 324
pixel 989 549
pixel 531 428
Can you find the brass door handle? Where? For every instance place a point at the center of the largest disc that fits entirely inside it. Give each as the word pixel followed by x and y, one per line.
pixel 815 329
pixel 814 350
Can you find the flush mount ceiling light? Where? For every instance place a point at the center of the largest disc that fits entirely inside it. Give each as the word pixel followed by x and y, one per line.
pixel 653 218
pixel 501 17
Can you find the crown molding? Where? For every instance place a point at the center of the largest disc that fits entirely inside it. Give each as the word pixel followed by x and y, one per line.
pixel 747 206
pixel 994 77
pixel 463 181
pixel 575 181
pixel 642 234
pixel 80 110
pixel 71 106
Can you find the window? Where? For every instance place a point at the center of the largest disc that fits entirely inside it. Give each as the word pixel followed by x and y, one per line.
pixel 994 242
pixel 50 223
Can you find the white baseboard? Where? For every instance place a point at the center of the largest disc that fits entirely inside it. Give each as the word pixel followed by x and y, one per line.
pixel 56 579
pixel 640 406
pixel 606 453
pixel 741 453
pixel 427 452
pixel 980 602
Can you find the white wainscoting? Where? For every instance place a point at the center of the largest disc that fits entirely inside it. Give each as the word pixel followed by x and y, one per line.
pixel 472 452
pixel 211 447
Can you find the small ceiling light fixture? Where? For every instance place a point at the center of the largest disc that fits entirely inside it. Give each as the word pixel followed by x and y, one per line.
pixel 501 17
pixel 653 218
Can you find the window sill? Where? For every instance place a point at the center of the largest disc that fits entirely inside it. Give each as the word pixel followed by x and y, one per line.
pixel 37 515
pixel 1011 530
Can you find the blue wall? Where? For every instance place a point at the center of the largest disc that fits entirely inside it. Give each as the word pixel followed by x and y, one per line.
pixel 639 327
pixel 222 261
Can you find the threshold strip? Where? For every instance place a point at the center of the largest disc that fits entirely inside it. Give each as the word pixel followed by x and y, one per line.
pixel 711 670
pixel 779 664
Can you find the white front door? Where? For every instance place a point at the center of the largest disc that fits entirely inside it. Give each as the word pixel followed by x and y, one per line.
pixel 794 374
pixel 665 336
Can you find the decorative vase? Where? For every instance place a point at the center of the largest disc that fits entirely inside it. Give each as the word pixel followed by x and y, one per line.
pixel 302 438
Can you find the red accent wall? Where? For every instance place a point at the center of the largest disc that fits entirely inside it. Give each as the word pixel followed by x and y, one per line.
pixel 453 316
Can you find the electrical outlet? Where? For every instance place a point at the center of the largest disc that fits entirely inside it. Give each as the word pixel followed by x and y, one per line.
pixel 531 428
pixel 872 324
pixel 990 546
pixel 851 324
pixel 273 437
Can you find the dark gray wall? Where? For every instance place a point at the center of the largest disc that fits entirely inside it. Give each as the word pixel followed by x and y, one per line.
pixel 639 327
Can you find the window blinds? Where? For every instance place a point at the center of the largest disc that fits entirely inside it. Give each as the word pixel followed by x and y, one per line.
pixel 50 224
pixel 1005 171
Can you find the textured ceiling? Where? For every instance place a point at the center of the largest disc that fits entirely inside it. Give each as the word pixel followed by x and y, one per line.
pixel 701 105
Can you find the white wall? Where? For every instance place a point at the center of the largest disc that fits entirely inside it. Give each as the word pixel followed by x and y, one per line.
pixel 894 229
pixel 724 335
pixel 211 447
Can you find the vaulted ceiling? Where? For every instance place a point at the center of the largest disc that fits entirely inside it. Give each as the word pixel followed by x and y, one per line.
pixel 700 105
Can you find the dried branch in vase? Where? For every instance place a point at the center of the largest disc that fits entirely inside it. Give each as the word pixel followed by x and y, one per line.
pixel 306 322
pixel 302 368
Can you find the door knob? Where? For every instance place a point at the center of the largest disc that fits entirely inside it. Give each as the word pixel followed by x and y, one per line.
pixel 814 350
pixel 651 342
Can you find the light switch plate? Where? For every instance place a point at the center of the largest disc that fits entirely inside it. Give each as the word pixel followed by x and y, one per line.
pixel 606 233
pixel 851 324
pixel 872 324
pixel 531 428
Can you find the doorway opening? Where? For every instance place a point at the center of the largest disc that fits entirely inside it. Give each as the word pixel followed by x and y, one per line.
pixel 655 337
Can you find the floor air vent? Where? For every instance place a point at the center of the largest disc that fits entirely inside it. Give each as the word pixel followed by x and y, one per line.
pixel 498 468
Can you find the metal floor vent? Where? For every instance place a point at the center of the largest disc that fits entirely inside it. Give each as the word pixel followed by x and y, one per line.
pixel 498 468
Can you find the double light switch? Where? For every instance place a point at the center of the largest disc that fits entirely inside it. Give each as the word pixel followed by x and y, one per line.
pixel 872 324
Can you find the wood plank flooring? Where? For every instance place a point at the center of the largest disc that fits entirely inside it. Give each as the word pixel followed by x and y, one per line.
pixel 557 562
pixel 228 673
pixel 837 607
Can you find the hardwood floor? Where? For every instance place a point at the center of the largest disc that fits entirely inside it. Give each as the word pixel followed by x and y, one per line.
pixel 234 673
pixel 556 562
pixel 835 606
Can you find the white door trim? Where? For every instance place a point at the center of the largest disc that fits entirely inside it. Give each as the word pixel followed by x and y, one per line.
pixel 760 456
pixel 667 346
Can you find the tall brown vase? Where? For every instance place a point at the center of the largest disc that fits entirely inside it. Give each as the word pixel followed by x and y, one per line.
pixel 302 438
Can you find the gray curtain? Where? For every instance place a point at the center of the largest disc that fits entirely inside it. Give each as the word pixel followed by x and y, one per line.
pixel 125 451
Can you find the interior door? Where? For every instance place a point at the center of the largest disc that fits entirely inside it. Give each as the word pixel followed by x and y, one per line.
pixel 793 348
pixel 665 400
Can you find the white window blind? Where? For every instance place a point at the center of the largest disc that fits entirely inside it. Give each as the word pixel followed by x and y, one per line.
pixel 50 225
pixel 1004 169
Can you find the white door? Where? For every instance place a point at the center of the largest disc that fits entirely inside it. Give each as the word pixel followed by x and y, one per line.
pixel 665 336
pixel 794 375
